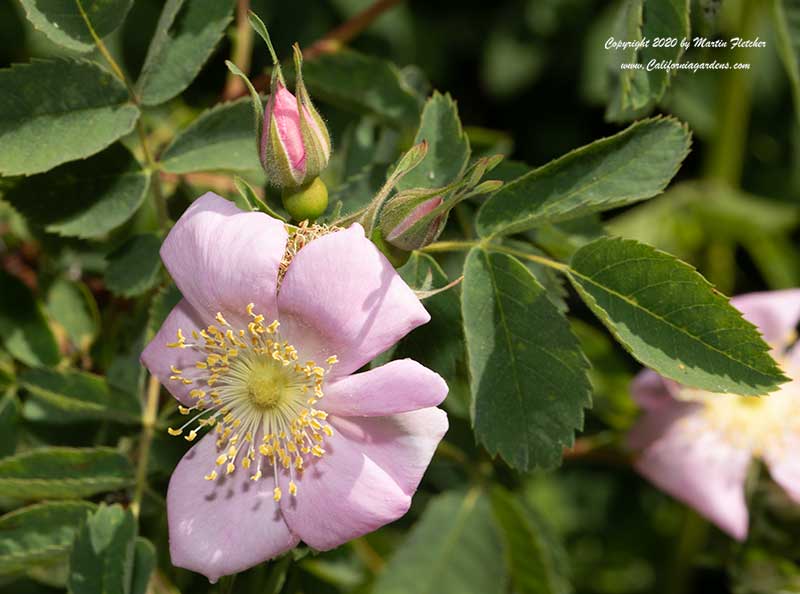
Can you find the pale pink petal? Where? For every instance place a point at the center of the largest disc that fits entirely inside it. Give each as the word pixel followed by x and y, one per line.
pixel 656 422
pixel 652 391
pixel 399 386
pixel 225 526
pixel 401 444
pixel 159 358
pixel 223 258
pixel 776 313
pixel 784 464
pixel 341 297
pixel 365 479
pixel 699 467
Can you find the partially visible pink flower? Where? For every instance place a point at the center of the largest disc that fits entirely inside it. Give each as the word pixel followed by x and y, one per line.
pixel 697 445
pixel 300 446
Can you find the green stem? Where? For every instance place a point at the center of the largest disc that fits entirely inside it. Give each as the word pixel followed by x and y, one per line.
pixel 226 584
pixel 692 540
pixel 242 51
pixel 349 30
pixel 458 246
pixel 727 153
pixel 531 257
pixel 158 195
pixel 368 555
pixel 148 425
pixel 449 246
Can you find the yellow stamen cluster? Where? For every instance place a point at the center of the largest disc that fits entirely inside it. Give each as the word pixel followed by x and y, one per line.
pixel 761 424
pixel 298 239
pixel 250 385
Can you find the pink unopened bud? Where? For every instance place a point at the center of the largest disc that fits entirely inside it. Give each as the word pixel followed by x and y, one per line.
pixel 403 237
pixel 295 146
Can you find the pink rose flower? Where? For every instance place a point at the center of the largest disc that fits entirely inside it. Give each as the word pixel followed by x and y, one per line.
pixel 697 445
pixel 299 447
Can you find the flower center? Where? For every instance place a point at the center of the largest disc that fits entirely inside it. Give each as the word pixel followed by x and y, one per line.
pixel 249 385
pixel 265 386
pixel 760 424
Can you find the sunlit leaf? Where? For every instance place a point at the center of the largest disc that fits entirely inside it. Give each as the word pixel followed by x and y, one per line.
pixel 63 473
pixel 54 111
pixel 671 319
pixel 454 548
pixel 527 372
pixel 38 534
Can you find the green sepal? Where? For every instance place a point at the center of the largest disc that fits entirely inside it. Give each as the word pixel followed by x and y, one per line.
pixel 317 146
pixel 427 229
pixel 258 107
pixel 259 27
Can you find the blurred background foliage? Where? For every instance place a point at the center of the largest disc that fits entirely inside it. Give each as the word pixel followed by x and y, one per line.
pixel 532 81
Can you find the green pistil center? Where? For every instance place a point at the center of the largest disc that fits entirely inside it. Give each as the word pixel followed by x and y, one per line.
pixel 266 386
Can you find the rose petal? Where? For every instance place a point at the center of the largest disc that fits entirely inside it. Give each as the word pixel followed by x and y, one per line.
pixel 652 391
pixel 159 358
pixel 225 526
pixel 784 465
pixel 655 423
pixel 696 465
pixel 222 258
pixel 401 444
pixel 399 386
pixel 776 313
pixel 347 493
pixel 341 297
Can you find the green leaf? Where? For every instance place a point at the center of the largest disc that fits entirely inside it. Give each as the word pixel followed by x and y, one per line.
pixel 253 200
pixel 357 191
pixel 73 307
pixel 162 304
pixel 662 19
pixel 86 198
pixel 185 37
pixel 64 23
pixel 626 26
pixel 221 138
pixel 54 111
pixel 639 90
pixel 363 84
pixel 9 421
pixel 134 266
pixel 63 473
pixel 439 344
pixel 448 146
pixel 552 282
pixel 528 374
pixel 454 548
pixel 144 563
pixel 534 559
pixel 671 319
pixel 39 533
pixel 787 26
pixel 69 396
pixel 630 166
pixel 23 328
pixel 255 100
pixel 103 554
